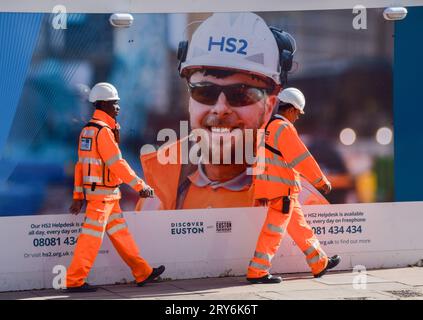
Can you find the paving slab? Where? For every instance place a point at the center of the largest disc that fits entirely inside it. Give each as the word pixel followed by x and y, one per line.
pixel 409 276
pixel 187 296
pixel 272 295
pixel 158 295
pixel 348 279
pixel 233 296
pixel 379 287
pixel 289 284
pixel 335 294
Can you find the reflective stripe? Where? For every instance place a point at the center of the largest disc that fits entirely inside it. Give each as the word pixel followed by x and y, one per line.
pixel 278 133
pixel 264 256
pixel 134 181
pixel 117 228
pixel 88 160
pixel 274 228
pixel 102 191
pixel 113 159
pixel 300 158
pixel 88 133
pixel 277 162
pixel 314 247
pixel 309 250
pixel 93 233
pixel 93 222
pixel 114 217
pixel 259 266
pixel 314 259
pixel 317 181
pixel 267 177
pixel 91 179
pixel 78 189
pixel 283 164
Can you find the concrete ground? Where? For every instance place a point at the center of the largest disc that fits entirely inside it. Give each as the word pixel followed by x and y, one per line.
pixel 386 284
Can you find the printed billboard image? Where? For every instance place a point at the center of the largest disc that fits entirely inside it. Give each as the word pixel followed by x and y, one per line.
pixel 195 92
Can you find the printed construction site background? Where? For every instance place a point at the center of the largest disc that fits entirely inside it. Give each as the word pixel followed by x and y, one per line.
pixel 345 74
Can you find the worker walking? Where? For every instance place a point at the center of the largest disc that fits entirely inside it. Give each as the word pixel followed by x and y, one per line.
pixel 98 173
pixel 278 183
pixel 291 107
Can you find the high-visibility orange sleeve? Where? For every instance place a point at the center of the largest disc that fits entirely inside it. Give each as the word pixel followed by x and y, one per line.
pixel 78 191
pixel 110 153
pixel 299 158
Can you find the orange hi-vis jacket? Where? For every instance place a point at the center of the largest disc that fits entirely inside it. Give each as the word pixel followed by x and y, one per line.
pixel 165 179
pixel 282 157
pixel 100 168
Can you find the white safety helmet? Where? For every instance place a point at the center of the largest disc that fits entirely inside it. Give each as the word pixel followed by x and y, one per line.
pixel 240 41
pixel 293 96
pixel 103 91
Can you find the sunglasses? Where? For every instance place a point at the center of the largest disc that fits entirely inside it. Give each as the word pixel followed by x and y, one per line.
pixel 237 95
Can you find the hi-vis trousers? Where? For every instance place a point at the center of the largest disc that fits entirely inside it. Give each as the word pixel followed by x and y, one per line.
pixel 104 216
pixel 275 227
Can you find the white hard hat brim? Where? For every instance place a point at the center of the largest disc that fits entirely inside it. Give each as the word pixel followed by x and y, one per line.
pixel 299 109
pixel 113 99
pixel 230 64
pixel 295 106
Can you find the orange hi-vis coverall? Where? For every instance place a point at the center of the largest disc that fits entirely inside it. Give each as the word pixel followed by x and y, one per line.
pixel 98 173
pixel 277 175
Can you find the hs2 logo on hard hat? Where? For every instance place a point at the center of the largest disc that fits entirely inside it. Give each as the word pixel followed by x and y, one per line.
pixel 229 45
pixel 86 144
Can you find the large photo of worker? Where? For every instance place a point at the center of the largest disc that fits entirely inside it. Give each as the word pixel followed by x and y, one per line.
pixel 235 66
pixel 328 81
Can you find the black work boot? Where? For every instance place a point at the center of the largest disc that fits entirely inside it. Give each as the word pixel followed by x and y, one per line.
pixel 332 263
pixel 268 278
pixel 84 288
pixel 156 272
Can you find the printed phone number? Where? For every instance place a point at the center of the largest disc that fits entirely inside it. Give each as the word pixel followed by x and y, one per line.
pixel 52 242
pixel 337 230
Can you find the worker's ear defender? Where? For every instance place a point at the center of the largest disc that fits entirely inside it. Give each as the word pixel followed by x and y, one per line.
pixel 182 53
pixel 286 53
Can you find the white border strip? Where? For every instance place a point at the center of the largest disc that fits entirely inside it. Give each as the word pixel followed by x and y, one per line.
pixel 175 6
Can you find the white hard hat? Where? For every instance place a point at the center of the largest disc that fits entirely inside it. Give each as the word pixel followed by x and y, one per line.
pixel 240 41
pixel 103 91
pixel 293 96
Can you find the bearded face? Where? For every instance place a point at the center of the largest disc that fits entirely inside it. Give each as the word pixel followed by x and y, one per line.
pixel 224 126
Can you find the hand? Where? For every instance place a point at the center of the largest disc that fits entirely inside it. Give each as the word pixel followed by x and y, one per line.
pixel 326 188
pixel 147 192
pixel 76 206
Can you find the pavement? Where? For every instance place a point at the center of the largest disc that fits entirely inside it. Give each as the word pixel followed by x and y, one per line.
pixel 386 284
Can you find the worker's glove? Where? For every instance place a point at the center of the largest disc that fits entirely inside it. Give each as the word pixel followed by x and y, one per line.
pixel 326 188
pixel 76 206
pixel 147 192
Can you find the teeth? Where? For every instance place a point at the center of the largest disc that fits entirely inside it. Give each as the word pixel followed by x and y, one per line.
pixel 220 130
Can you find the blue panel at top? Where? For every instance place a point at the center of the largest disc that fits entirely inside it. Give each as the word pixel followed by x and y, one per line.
pixel 18 38
pixel 408 106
